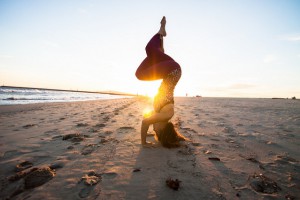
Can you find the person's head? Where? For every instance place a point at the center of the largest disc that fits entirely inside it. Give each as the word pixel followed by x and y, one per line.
pixel 167 134
pixel 159 126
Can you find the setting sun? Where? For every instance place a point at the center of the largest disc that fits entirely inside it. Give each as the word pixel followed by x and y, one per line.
pixel 148 88
pixel 152 93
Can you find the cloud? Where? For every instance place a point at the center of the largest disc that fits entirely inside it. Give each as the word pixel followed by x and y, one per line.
pixel 50 43
pixel 231 90
pixel 82 11
pixel 292 38
pixel 270 59
pixel 235 86
pixel 6 56
pixel 240 86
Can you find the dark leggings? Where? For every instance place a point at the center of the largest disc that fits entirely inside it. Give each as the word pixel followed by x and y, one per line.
pixel 157 65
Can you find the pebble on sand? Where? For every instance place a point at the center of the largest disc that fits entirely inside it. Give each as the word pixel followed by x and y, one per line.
pixel 174 184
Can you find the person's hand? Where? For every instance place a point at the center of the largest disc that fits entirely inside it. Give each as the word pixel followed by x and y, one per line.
pixel 148 144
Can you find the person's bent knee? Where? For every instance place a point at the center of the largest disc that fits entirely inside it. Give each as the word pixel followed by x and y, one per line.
pixel 146 77
pixel 140 76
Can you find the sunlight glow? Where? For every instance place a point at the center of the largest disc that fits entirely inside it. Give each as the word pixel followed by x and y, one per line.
pixel 147 112
pixel 152 91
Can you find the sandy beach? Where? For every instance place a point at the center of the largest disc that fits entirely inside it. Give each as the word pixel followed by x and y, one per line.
pixel 238 149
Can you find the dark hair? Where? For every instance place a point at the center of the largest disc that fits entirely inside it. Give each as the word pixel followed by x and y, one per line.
pixel 169 137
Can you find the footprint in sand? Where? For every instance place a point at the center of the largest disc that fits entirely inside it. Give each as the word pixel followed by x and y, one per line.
pixel 100 125
pixel 263 184
pixel 82 125
pixel 110 174
pixel 38 177
pixel 126 128
pixel 186 150
pixel 58 164
pixel 90 180
pixel 106 119
pixel 229 140
pixel 29 125
pixel 196 144
pixel 108 132
pixel 88 149
pixel 34 177
pixel 188 129
pixel 23 165
pixel 10 153
pixel 74 137
pixel 285 159
pixel 227 130
pixel 214 146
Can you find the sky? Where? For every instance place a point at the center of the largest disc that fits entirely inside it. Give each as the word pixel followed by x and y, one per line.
pixel 226 48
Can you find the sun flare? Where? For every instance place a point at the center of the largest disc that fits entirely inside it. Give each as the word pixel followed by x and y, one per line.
pixel 149 89
pixel 147 112
pixel 151 93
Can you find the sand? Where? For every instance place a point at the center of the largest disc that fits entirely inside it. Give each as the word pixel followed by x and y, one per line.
pixel 239 149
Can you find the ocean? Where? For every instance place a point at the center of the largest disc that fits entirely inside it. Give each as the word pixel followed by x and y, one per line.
pixel 15 95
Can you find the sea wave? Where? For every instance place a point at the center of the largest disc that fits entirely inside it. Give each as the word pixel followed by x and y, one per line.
pixel 24 99
pixel 30 95
pixel 24 91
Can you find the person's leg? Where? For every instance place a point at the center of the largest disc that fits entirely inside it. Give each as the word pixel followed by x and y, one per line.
pixel 162 29
pixel 157 71
pixel 157 64
pixel 154 46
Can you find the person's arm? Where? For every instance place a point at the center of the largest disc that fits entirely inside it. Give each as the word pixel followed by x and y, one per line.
pixel 157 117
pixel 144 130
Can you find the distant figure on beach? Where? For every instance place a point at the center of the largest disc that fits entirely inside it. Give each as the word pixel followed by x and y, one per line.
pixel 158 65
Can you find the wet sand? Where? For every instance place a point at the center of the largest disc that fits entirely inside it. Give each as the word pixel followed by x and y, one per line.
pixel 239 149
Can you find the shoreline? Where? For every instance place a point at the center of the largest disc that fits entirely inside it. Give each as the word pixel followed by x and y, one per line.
pixel 129 94
pixel 149 100
pixel 62 90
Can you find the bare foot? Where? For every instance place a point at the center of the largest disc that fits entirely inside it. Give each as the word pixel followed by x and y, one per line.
pixel 162 30
pixel 163 21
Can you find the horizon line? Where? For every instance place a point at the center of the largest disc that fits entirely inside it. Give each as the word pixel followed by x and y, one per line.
pixel 65 90
pixel 130 94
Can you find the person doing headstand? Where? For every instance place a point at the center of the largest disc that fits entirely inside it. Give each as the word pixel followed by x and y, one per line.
pixel 158 65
